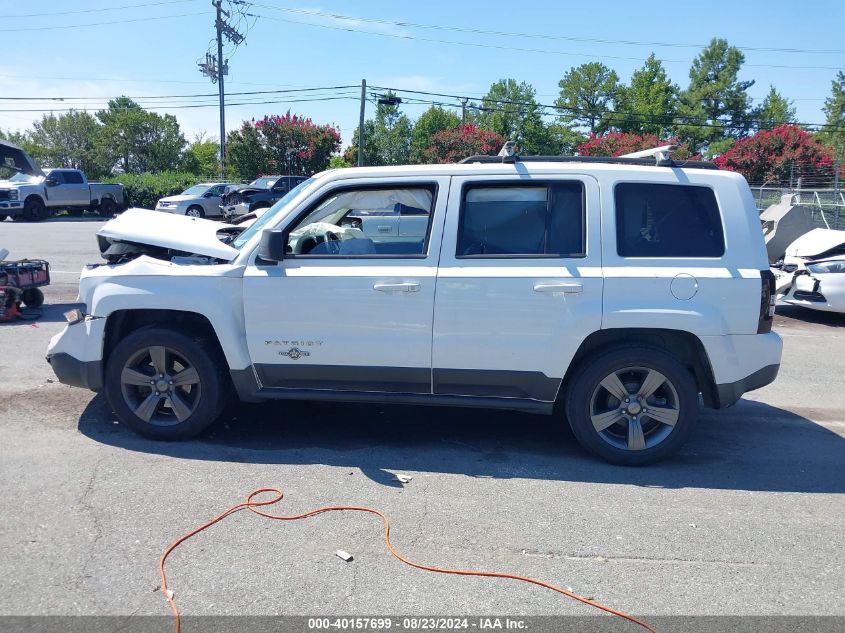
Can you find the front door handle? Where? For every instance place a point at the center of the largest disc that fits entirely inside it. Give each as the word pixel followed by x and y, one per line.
pixel 402 286
pixel 558 286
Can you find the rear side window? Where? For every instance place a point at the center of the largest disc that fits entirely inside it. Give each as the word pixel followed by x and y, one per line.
pixel 72 177
pixel 522 220
pixel 661 220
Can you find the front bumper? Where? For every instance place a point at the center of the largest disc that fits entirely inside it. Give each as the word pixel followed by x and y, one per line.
pixel 11 205
pixel 235 210
pixel 76 354
pixel 77 373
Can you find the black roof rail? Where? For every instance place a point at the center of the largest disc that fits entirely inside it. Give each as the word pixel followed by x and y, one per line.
pixel 614 160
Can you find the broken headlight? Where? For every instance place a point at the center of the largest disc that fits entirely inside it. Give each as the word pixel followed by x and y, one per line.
pixel 827 267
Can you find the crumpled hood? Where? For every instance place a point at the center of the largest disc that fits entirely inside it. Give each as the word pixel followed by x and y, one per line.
pixel 165 230
pixel 816 242
pixel 181 198
pixel 17 159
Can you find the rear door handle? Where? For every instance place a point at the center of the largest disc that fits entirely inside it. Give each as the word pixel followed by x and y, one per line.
pixel 558 286
pixel 403 286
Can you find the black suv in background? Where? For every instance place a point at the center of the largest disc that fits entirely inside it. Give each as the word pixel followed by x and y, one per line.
pixel 260 193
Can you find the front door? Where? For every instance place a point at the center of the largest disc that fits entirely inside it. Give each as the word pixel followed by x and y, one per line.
pixel 519 285
pixel 347 309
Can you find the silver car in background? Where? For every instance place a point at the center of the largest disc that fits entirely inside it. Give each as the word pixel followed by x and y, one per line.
pixel 199 201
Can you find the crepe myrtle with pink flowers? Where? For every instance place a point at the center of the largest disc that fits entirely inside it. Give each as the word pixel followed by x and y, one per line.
pixel 281 144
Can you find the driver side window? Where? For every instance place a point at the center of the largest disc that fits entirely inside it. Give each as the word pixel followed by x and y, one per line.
pixel 366 222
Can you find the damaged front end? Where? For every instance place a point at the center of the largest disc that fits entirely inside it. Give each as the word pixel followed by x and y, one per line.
pixel 168 237
pixel 812 274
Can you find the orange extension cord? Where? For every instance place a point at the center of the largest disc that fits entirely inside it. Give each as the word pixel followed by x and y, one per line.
pixel 253 506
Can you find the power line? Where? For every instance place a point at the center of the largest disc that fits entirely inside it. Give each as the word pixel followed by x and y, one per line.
pixel 86 25
pixel 666 119
pixel 184 96
pixel 98 10
pixel 442 27
pixel 193 105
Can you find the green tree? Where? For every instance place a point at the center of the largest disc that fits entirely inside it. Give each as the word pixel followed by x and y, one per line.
pixel 776 110
pixel 833 132
pixel 202 157
pixel 387 137
pixel 68 140
pixel 510 110
pixel 134 140
pixel 427 125
pixel 716 103
pixel 648 104
pixel 587 94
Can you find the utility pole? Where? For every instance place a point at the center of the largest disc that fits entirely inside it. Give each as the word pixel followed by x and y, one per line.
pixel 218 24
pixel 464 110
pixel 361 123
pixel 215 68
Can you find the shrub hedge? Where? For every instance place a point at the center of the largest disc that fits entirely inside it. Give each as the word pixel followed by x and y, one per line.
pixel 144 190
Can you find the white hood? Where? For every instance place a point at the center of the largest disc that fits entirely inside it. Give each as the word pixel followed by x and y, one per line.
pixel 177 232
pixel 815 242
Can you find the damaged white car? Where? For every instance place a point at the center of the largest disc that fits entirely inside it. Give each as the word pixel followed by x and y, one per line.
pixel 813 271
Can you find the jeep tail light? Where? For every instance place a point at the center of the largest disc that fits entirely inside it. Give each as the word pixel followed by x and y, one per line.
pixel 767 302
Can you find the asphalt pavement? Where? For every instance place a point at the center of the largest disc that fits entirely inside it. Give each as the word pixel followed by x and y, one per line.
pixel 746 520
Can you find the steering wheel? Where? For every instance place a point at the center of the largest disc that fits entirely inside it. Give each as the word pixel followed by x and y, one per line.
pixel 332 242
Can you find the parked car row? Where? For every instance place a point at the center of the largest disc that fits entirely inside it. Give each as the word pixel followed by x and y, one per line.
pixel 229 200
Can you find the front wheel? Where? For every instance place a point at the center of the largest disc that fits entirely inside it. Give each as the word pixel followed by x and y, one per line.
pixel 34 210
pixel 632 406
pixel 195 212
pixel 164 384
pixel 33 297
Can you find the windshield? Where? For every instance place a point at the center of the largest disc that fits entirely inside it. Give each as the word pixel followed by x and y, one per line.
pixel 196 190
pixel 265 182
pixel 22 177
pixel 276 211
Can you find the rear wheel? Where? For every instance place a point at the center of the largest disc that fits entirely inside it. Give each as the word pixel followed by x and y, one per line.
pixel 33 297
pixel 632 406
pixel 164 384
pixel 195 212
pixel 107 208
pixel 3 217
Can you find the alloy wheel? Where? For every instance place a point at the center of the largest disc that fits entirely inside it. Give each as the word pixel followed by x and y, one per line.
pixel 634 408
pixel 160 386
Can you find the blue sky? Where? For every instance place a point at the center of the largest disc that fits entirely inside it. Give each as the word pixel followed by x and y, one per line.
pixel 290 45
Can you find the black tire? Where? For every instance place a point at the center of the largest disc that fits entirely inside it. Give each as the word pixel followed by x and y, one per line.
pixel 195 212
pixel 635 439
pixel 75 212
pixel 206 399
pixel 3 217
pixel 107 208
pixel 33 297
pixel 34 210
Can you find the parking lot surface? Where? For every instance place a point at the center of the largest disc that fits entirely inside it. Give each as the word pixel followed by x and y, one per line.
pixel 747 519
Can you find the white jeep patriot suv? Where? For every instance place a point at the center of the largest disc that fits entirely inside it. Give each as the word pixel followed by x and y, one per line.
pixel 626 290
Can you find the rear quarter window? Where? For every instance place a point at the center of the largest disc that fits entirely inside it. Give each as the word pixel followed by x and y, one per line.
pixel 667 220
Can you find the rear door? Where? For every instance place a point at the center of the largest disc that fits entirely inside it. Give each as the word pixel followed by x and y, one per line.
pixel 75 190
pixel 519 285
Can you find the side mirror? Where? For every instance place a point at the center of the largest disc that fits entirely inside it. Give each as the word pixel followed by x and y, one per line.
pixel 51 182
pixel 207 194
pixel 272 245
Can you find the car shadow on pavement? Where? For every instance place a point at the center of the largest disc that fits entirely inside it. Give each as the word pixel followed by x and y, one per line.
pixel 751 446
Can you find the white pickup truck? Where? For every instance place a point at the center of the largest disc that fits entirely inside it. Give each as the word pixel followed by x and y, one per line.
pixel 32 195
